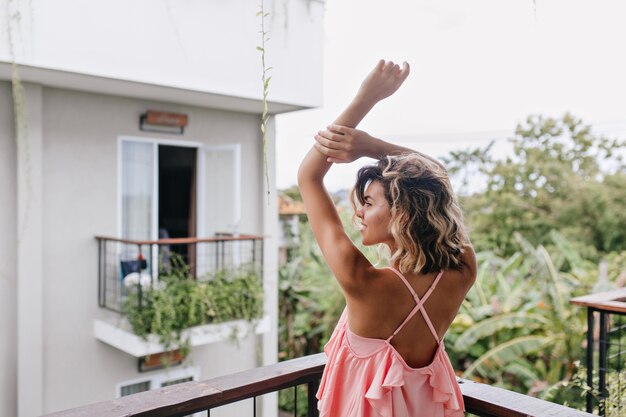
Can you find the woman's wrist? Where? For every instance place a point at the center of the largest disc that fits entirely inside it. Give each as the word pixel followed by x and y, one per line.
pixel 365 101
pixel 377 148
pixel 354 113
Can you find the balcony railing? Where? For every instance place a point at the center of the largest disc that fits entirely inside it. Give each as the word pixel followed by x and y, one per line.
pixel 191 397
pixel 123 263
pixel 606 351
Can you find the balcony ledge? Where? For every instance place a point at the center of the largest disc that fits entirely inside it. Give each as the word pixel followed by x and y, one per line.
pixel 118 333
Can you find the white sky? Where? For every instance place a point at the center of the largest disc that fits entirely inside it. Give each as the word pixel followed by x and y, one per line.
pixel 479 67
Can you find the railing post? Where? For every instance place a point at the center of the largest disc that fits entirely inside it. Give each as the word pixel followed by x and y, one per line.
pixel 253 253
pixel 139 291
pixel 216 245
pixel 590 347
pixel 602 368
pixel 101 281
pixel 223 243
pixel 312 388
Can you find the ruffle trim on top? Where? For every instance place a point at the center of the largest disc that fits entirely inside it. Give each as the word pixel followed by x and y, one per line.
pixel 390 376
pixel 445 388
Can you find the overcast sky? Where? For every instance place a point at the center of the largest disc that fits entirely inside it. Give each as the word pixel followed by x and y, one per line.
pixel 478 69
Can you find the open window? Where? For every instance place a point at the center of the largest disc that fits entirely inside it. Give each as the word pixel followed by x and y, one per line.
pixel 172 189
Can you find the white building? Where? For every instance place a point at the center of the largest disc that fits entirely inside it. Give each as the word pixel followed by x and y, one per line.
pixel 90 70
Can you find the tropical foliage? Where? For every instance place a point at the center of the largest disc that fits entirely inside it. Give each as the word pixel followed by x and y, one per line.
pixel 516 328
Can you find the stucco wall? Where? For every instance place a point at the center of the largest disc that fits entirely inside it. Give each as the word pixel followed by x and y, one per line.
pixel 8 268
pixel 207 45
pixel 80 198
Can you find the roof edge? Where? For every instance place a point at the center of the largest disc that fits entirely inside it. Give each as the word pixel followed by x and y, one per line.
pixel 135 89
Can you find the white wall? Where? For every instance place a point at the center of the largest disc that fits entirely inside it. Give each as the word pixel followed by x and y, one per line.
pixel 80 180
pixel 207 45
pixel 8 267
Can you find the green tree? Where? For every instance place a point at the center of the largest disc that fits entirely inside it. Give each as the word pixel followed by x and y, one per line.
pixel 561 177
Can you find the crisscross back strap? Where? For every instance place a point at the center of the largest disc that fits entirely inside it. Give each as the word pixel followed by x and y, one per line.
pixel 419 304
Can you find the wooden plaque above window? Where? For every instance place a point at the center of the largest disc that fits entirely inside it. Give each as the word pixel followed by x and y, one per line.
pixel 163 122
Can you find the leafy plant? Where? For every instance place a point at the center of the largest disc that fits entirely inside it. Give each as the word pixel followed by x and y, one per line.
pixel 516 328
pixel 178 302
pixel 577 389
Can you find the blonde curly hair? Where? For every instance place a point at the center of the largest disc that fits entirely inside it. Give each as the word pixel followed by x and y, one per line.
pixel 426 219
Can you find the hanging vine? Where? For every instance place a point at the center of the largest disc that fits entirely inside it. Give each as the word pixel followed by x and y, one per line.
pixel 266 81
pixel 13 20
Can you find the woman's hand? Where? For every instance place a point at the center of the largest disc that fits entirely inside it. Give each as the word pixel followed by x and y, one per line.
pixel 383 81
pixel 341 144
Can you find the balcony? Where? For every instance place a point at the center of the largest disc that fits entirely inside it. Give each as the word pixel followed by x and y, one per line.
pixel 130 272
pixel 191 397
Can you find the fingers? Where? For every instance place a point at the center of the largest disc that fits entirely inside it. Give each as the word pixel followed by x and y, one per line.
pixel 388 67
pixel 327 134
pixel 344 130
pixel 404 72
pixel 392 68
pixel 327 143
pixel 331 154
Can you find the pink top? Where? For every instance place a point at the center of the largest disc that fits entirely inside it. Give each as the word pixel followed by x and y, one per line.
pixel 367 377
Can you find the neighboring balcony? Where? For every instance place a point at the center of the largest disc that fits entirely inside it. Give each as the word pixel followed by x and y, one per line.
pixel 213 283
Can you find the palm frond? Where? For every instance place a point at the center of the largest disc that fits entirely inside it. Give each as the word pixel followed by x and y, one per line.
pixel 506 353
pixel 493 325
pixel 556 283
pixel 523 371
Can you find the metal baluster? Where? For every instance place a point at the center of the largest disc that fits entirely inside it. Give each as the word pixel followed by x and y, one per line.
pixel 602 368
pixel 312 388
pixel 295 401
pixel 101 275
pixel 254 253
pixel 590 346
pixel 619 363
pixel 218 255
pixel 139 289
pixel 254 406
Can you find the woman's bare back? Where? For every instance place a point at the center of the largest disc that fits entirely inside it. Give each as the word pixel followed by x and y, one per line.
pixel 386 304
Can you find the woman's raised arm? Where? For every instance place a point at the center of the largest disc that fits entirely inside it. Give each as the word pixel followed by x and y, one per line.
pixel 345 260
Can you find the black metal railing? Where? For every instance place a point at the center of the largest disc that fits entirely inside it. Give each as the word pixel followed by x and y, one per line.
pixel 192 397
pixel 606 351
pixel 124 263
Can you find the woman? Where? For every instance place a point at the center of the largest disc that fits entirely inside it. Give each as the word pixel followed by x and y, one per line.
pixel 386 356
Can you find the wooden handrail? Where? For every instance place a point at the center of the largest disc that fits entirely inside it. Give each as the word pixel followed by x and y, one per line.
pixel 181 240
pixel 480 399
pixel 613 301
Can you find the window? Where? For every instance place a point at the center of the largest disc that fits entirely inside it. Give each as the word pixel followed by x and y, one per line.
pixel 178 189
pixel 186 188
pixel 134 388
pixel 160 380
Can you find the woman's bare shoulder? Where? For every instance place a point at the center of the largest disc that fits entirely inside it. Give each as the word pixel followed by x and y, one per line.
pixel 459 280
pixel 468 263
